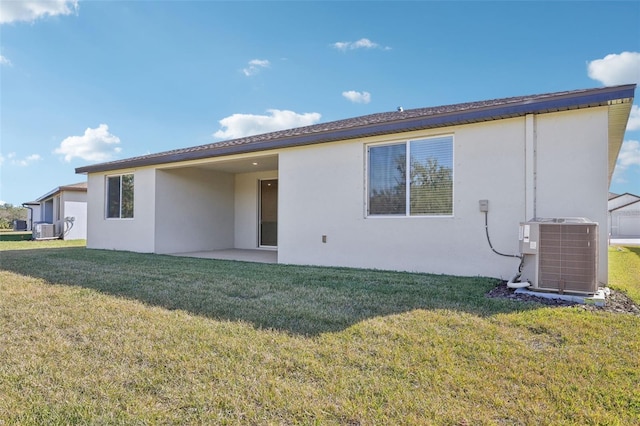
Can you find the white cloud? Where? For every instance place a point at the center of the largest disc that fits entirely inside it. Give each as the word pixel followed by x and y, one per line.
pixel 363 43
pixel 616 69
pixel 95 145
pixel 28 160
pixel 634 119
pixel 5 61
pixel 30 10
pixel 357 97
pixel 629 156
pixel 240 125
pixel 255 65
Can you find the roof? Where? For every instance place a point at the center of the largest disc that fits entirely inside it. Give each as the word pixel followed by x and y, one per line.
pixel 386 123
pixel 79 187
pixel 637 201
pixel 613 196
pixel 631 199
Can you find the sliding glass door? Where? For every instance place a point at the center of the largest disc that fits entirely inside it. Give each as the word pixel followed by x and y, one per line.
pixel 268 213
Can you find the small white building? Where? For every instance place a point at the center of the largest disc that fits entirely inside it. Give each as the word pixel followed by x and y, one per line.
pixel 624 216
pixel 397 190
pixel 64 207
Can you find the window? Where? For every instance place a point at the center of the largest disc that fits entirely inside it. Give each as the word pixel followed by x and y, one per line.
pixel 120 196
pixel 427 190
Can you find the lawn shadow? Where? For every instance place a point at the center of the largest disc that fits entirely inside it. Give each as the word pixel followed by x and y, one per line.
pixel 634 249
pixel 302 300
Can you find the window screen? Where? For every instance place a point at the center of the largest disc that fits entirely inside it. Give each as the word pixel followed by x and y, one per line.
pixel 431 182
pixel 120 196
pixel 427 190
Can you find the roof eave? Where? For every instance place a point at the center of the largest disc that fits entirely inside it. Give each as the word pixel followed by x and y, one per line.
pixel 60 189
pixel 542 104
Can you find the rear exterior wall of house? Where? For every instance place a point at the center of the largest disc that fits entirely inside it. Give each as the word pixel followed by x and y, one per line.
pixel 546 165
pixel 549 165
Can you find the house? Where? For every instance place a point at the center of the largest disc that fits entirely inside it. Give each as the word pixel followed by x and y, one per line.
pixel 624 216
pixel 339 194
pixel 33 214
pixel 64 207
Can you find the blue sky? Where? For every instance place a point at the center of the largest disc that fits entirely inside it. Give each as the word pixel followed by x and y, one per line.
pixel 84 82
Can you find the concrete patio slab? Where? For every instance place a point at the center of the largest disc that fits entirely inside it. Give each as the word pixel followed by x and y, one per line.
pixel 259 256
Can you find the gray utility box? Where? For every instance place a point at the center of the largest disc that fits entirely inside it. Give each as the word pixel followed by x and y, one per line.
pixel 560 254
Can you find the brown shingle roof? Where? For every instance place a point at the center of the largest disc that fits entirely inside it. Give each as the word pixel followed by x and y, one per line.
pixel 81 186
pixel 383 123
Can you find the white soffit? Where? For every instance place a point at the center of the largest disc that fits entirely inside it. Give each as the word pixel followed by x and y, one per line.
pixel 618 116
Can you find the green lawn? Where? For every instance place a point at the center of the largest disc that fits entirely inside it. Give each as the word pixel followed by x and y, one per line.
pixel 107 337
pixel 8 235
pixel 624 270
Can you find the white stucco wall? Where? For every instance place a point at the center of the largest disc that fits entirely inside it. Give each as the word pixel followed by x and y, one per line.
pixel 73 205
pixel 322 192
pixel 77 230
pixel 246 207
pixel 194 210
pixel 34 214
pixel 573 170
pixel 136 234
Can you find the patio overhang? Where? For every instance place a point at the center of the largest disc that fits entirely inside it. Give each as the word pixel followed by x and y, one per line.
pixel 235 165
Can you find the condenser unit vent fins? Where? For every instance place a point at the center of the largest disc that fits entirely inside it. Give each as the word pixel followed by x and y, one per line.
pixel 568 256
pixel 44 231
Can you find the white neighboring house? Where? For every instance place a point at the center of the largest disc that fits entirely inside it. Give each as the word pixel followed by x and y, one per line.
pixel 624 216
pixel 65 207
pixel 337 193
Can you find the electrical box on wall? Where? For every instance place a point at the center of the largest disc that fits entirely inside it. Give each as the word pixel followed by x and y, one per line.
pixel 484 205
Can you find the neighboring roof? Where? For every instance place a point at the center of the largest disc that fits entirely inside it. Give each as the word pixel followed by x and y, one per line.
pixel 79 187
pixel 613 196
pixel 386 123
pixel 631 199
pixel 627 205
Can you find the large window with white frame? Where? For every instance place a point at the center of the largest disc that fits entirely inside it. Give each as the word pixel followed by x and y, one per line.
pixel 120 196
pixel 411 178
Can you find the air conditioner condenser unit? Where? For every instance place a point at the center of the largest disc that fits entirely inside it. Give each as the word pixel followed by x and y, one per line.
pixel 560 254
pixel 44 231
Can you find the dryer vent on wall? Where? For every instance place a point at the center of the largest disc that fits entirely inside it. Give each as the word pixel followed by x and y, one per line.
pixel 560 254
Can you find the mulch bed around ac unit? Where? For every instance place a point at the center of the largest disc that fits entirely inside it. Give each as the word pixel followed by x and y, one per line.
pixel 616 301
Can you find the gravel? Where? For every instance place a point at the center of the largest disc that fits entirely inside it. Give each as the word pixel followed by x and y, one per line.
pixel 616 301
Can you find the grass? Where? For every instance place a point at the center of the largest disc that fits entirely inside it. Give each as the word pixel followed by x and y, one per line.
pixel 624 270
pixel 10 245
pixel 10 235
pixel 103 337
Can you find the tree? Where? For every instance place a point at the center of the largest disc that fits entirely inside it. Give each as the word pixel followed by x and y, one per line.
pixel 431 190
pixel 9 213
